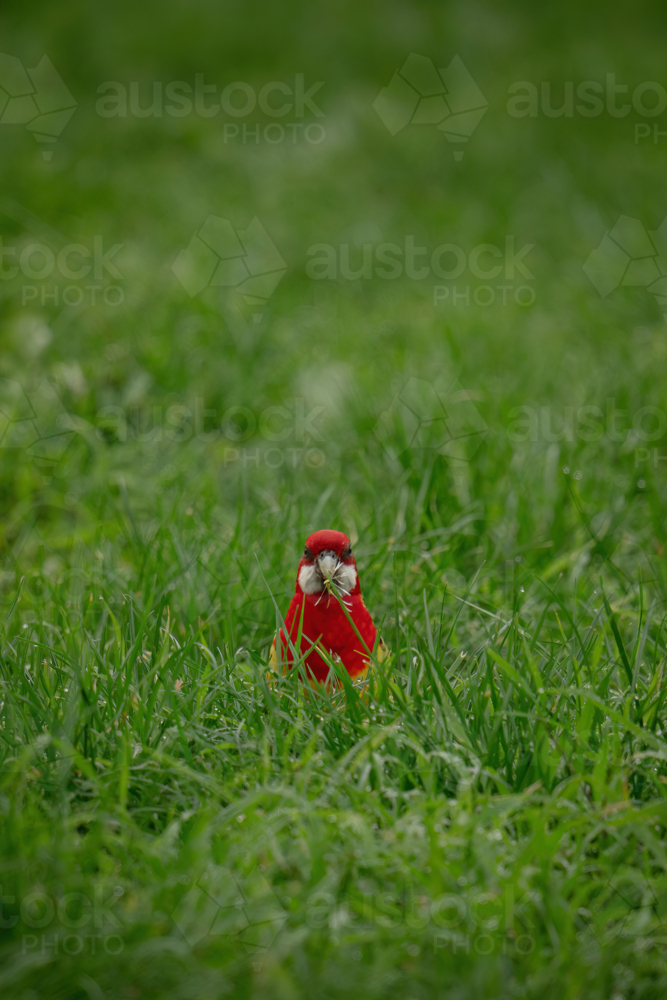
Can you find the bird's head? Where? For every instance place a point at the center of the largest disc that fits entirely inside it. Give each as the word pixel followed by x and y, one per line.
pixel 327 565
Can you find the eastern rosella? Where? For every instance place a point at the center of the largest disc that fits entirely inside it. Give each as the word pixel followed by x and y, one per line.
pixel 328 611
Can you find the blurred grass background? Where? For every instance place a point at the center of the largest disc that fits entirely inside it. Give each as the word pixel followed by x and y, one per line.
pixel 490 820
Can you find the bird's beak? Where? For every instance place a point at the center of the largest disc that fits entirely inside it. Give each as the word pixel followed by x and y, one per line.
pixel 327 564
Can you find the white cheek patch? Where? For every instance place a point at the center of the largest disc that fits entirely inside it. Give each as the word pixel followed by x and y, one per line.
pixel 310 580
pixel 346 578
pixel 343 576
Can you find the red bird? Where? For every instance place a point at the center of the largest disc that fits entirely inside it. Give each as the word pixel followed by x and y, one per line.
pixel 327 577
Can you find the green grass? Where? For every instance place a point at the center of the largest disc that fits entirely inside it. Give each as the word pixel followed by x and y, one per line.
pixel 488 819
pixel 499 789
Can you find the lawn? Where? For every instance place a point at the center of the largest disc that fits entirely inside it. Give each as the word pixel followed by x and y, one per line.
pixel 245 295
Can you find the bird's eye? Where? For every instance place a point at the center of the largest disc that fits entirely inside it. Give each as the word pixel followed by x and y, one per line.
pixel 346 553
pixel 307 554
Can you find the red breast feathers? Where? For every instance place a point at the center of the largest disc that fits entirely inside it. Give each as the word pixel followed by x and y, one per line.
pixel 327 592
